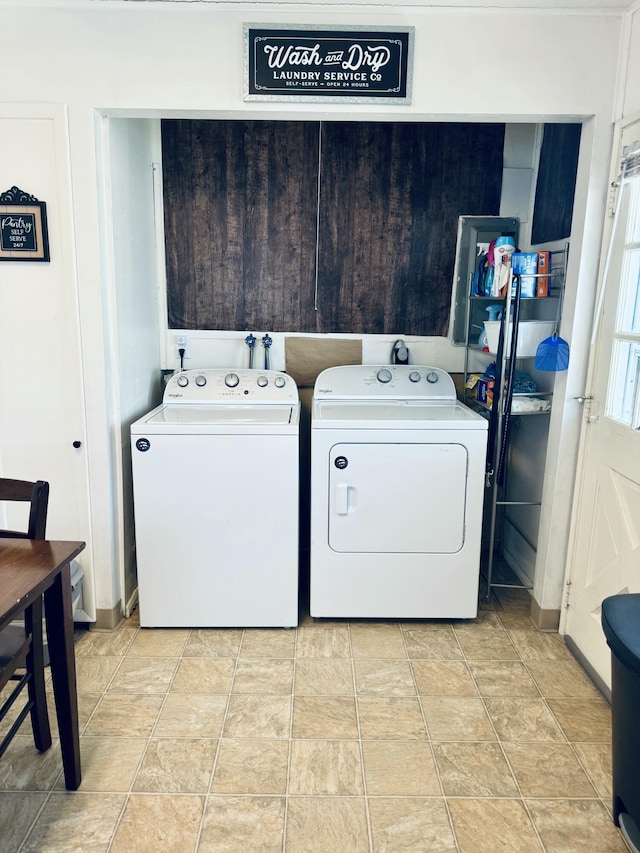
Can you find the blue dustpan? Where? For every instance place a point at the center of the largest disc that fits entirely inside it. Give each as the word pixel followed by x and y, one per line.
pixel 552 354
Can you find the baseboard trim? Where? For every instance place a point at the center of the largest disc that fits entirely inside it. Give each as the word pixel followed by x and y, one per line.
pixel 544 620
pixel 107 620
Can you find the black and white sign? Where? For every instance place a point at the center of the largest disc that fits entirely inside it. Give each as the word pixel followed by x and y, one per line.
pixel 23 227
pixel 304 63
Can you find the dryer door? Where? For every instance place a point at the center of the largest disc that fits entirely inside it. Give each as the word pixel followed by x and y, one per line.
pixel 397 498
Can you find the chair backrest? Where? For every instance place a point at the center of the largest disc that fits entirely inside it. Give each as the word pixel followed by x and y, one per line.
pixel 37 495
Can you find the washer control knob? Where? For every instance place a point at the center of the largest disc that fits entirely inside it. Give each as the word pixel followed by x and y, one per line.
pixel 201 380
pixel 432 377
pixel 231 380
pixel 183 380
pixel 414 376
pixel 279 381
pixel 384 375
pixel 262 381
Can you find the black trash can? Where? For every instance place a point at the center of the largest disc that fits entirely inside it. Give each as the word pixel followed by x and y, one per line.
pixel 621 626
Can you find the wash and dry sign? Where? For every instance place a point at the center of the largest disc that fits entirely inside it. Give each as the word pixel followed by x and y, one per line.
pixel 304 63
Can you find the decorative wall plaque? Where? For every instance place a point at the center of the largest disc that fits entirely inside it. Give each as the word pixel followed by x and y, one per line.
pixel 357 65
pixel 23 227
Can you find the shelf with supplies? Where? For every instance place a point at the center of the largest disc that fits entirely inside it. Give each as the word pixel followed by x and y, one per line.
pixel 505 379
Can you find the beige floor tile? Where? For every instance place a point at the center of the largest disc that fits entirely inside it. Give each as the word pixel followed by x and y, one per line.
pixel 474 770
pixel 503 678
pixel 322 824
pixel 154 822
pixel 523 719
pixel 213 643
pixel 268 676
pixel 325 717
pixel 443 678
pixel 268 643
pixel 486 621
pixel 316 642
pixel 456 718
pixel 325 768
pixel 203 675
pixel 596 760
pixel 72 822
pixel 539 645
pixel 488 645
pixel 489 825
pixel 405 825
pixel 176 765
pixel 432 642
pixel 188 715
pixel 258 716
pixel 109 763
pixel 562 680
pixel 323 677
pixel 390 718
pixel 377 641
pixel 242 825
pixel 384 678
pixel 574 826
pixel 548 770
pixel 400 768
pixel 93 674
pixel 87 703
pixel 17 812
pixel 123 715
pixel 110 643
pixel 158 643
pixel 251 766
pixel 583 719
pixel 144 675
pixel 23 768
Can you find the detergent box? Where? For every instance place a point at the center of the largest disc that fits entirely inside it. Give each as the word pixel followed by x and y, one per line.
pixel 526 265
pixel 543 282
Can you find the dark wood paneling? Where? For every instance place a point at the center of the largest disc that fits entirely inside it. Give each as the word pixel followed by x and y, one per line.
pixel 240 222
pixel 391 194
pixel 556 185
pixel 240 202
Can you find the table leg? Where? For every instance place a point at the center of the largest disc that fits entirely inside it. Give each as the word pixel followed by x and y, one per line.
pixel 59 617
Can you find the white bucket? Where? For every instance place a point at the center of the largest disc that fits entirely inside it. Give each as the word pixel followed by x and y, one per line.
pixel 531 333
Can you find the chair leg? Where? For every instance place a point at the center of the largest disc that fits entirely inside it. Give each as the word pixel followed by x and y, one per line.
pixel 35 665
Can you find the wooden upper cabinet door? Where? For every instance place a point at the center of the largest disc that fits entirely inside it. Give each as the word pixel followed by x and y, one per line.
pixel 390 197
pixel 242 213
pixel 240 202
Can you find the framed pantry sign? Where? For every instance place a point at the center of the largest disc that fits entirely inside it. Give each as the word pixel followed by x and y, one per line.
pixel 303 63
pixel 23 227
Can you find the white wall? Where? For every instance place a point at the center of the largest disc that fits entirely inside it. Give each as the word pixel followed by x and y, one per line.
pixel 182 59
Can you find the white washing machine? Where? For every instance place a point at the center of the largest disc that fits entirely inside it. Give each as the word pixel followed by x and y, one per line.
pixel 397 482
pixel 215 486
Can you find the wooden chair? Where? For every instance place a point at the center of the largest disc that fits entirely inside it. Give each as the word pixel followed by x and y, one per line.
pixel 21 646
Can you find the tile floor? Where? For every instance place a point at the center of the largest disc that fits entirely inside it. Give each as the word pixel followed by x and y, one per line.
pixel 337 737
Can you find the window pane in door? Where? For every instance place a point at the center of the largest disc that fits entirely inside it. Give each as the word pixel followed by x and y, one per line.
pixel 625 368
pixel 629 316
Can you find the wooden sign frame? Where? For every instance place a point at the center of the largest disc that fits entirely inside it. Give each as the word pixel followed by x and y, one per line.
pixel 23 227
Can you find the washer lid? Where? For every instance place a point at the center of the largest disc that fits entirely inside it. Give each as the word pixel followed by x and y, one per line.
pixel 394 414
pixel 246 414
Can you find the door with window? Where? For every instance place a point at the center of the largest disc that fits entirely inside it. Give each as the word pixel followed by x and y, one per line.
pixel 606 530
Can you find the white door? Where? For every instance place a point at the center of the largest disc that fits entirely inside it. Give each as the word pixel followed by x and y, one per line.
pixel 605 555
pixel 41 399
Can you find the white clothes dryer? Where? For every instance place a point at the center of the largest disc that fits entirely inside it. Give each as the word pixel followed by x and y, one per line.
pixel 215 486
pixel 397 482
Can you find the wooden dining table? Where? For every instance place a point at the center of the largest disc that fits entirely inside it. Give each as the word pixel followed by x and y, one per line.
pixel 30 568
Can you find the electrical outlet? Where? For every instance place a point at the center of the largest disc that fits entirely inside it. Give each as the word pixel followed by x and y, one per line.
pixel 182 342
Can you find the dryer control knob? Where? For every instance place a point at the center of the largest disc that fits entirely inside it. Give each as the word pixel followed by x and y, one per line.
pixel 262 381
pixel 201 380
pixel 231 380
pixel 432 377
pixel 414 376
pixel 182 380
pixel 384 375
pixel 279 381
